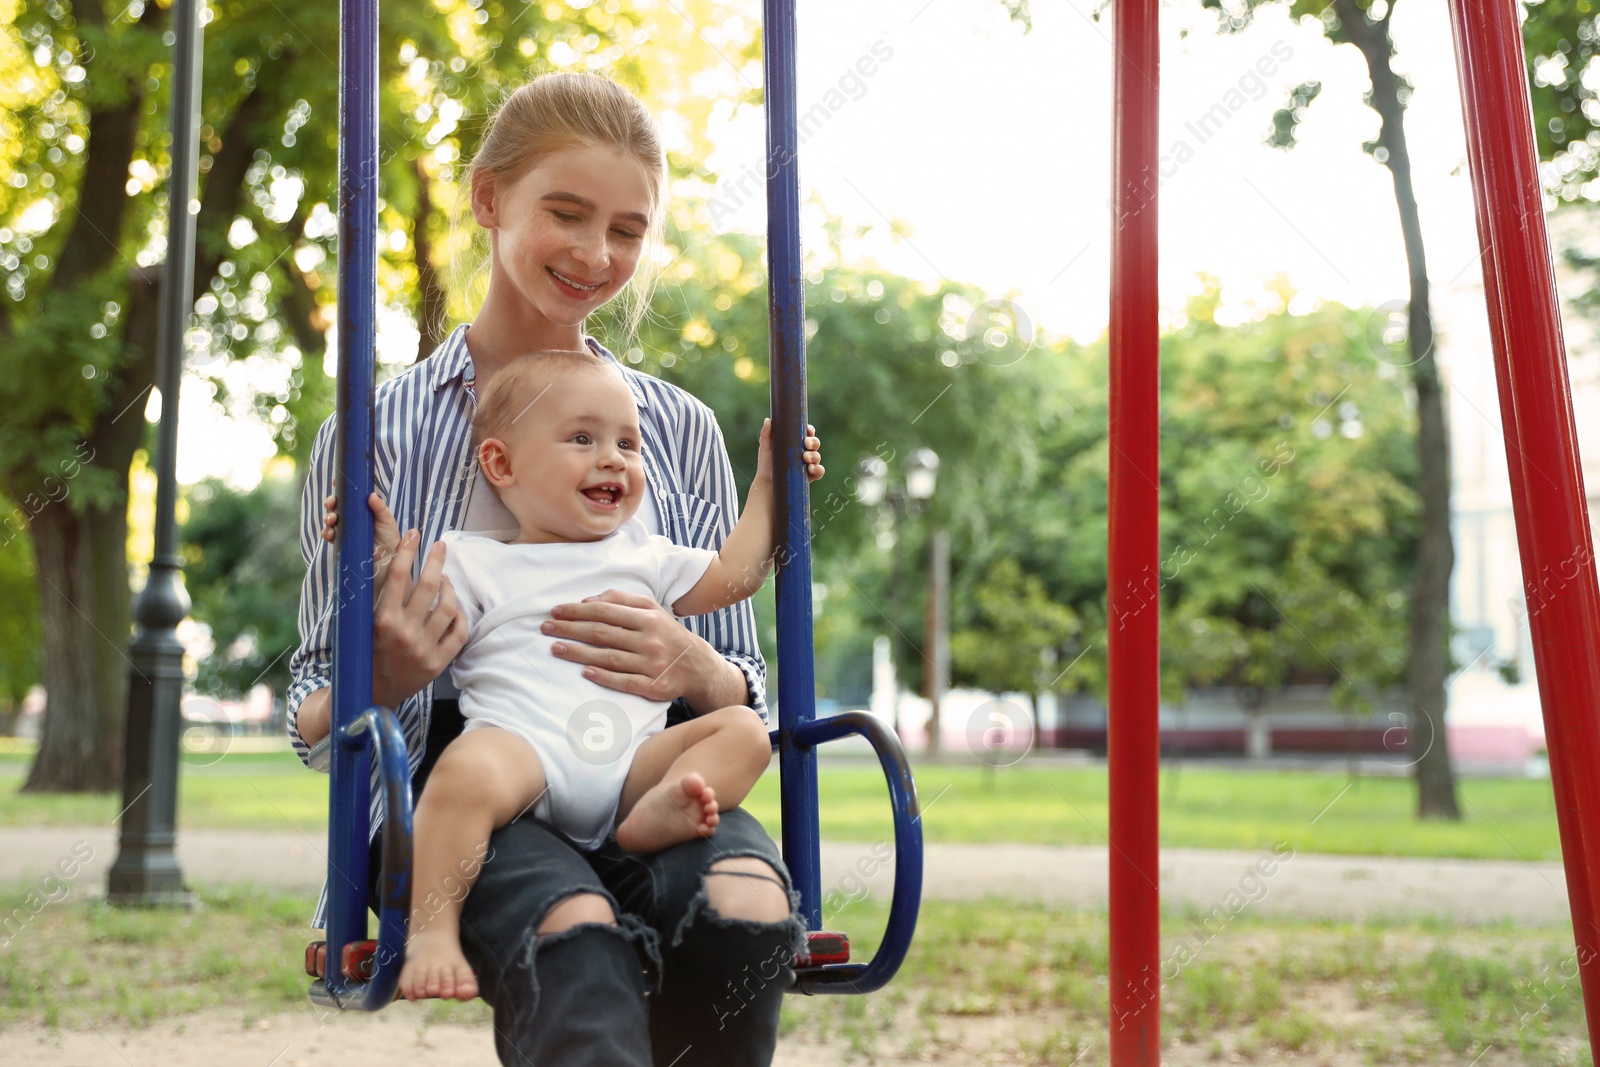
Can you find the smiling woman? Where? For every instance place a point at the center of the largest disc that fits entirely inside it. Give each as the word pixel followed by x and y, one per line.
pixel 566 189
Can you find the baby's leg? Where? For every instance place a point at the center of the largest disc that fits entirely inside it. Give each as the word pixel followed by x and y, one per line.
pixel 484 779
pixel 684 775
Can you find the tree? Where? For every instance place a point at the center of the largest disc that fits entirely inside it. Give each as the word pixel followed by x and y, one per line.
pixel 1364 24
pixel 1017 629
pixel 893 366
pixel 19 623
pixel 1288 514
pixel 1562 42
pixel 1561 39
pixel 83 165
pixel 241 558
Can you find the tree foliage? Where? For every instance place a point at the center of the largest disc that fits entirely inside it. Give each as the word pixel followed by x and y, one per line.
pixel 893 366
pixel 20 635
pixel 1288 521
pixel 1561 39
pixel 241 559
pixel 1364 25
pixel 83 198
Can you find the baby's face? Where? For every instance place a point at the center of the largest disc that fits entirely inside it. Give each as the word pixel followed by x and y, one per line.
pixel 576 467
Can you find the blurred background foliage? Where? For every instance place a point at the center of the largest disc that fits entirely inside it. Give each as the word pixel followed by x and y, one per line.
pixel 1288 482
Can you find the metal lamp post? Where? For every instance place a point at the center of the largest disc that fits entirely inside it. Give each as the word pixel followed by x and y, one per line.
pixel 146 870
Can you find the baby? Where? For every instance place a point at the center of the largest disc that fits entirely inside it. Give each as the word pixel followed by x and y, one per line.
pixel 557 437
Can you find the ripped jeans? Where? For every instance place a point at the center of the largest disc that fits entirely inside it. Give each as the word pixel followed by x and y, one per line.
pixel 673 984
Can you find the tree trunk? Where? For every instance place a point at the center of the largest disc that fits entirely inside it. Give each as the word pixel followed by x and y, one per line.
pixel 1427 665
pixel 82 578
pixel 84 600
pixel 81 551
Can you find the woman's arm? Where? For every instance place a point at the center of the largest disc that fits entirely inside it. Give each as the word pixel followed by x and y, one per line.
pixel 412 642
pixel 732 630
pixel 311 665
pixel 315 717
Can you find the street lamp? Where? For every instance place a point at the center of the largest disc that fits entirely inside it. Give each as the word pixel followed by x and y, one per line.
pixel 873 487
pixel 146 870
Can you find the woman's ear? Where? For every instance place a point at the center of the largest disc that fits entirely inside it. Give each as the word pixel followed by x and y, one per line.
pixel 496 462
pixel 483 205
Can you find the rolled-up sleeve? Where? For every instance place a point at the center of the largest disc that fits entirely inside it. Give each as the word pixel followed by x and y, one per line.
pixel 732 630
pixel 311 666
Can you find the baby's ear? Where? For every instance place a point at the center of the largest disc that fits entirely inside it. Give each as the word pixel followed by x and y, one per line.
pixel 496 462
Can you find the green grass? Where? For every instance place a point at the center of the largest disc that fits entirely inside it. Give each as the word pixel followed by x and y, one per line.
pixel 1265 989
pixel 245 791
pixel 1039 803
pixel 67 964
pixel 1034 802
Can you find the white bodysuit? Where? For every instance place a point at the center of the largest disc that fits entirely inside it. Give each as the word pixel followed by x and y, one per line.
pixel 584 733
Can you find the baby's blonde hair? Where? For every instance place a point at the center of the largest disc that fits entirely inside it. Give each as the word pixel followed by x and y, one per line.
pixel 514 391
pixel 568 110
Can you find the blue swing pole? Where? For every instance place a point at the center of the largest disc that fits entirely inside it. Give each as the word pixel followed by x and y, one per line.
pixel 786 299
pixel 799 730
pixel 360 732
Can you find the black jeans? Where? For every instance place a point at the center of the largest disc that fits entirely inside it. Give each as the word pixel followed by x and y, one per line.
pixel 672 984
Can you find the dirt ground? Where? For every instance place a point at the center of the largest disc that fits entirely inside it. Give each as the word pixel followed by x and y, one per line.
pixel 1307 887
pixel 401 1036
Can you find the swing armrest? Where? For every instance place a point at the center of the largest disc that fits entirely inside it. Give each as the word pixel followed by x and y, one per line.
pixel 379 728
pixel 906 898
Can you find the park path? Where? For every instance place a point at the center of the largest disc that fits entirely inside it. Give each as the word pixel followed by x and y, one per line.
pixel 397 1035
pixel 1303 885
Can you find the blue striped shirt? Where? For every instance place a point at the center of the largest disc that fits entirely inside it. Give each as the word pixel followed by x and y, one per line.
pixel 422 466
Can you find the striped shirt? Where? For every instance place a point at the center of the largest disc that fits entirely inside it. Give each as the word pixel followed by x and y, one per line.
pixel 422 467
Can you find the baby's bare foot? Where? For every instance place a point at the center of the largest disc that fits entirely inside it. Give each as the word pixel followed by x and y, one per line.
pixel 435 967
pixel 673 811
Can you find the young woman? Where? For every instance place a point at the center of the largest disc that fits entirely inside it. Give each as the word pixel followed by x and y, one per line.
pixel 588 957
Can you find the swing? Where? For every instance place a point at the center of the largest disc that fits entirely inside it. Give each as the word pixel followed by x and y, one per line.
pixel 364 736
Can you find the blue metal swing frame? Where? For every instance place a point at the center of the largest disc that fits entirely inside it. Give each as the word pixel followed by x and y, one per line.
pixel 364 734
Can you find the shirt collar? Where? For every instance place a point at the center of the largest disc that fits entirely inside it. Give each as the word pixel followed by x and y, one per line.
pixel 450 359
pixel 452 362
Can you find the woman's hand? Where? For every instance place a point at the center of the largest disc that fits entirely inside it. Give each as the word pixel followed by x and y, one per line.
pixel 414 640
pixel 385 535
pixel 630 643
pixel 812 457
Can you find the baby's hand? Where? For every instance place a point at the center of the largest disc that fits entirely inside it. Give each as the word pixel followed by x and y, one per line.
pixel 812 456
pixel 385 534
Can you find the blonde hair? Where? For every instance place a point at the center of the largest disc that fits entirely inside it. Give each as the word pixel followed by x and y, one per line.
pixel 567 110
pixel 517 386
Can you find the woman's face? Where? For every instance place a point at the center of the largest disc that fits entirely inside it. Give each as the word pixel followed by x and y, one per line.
pixel 568 233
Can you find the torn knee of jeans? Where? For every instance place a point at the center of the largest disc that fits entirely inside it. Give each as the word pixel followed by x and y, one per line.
pixel 532 939
pixel 701 903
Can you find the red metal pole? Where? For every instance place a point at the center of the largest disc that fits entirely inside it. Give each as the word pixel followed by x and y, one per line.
pixel 1541 444
pixel 1133 736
